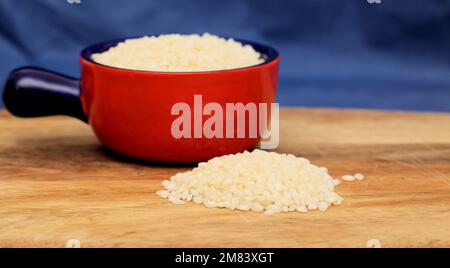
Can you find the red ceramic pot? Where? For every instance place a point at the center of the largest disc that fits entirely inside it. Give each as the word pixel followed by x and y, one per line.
pixel 130 111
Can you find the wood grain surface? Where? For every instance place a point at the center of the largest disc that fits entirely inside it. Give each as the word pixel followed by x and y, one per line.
pixel 58 183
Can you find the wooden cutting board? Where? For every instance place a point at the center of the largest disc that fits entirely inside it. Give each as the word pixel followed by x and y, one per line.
pixel 58 183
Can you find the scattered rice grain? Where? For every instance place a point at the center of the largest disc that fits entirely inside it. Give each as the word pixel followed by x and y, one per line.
pixel 348 178
pixel 359 176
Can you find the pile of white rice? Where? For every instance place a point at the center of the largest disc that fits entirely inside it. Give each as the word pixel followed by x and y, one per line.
pixel 179 53
pixel 257 181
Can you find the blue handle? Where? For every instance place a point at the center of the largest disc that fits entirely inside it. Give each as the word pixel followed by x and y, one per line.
pixel 33 92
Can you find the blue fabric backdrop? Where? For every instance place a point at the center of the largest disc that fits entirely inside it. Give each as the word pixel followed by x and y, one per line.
pixel 345 53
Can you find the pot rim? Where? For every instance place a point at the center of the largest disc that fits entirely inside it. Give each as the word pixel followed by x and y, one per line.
pixel 271 55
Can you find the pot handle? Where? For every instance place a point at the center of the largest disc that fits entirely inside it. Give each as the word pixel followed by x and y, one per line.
pixel 33 92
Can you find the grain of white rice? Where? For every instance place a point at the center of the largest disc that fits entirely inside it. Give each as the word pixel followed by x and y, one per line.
pixel 348 178
pixel 359 176
pixel 302 209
